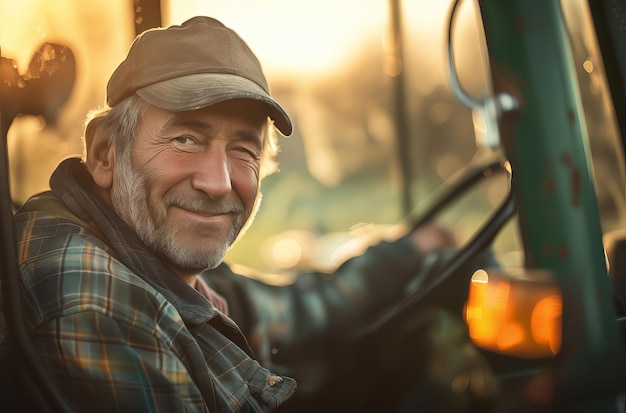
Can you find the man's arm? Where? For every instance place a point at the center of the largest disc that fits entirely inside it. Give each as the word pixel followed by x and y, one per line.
pixel 317 304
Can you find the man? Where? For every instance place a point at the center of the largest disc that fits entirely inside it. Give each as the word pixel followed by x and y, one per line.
pixel 110 257
pixel 116 258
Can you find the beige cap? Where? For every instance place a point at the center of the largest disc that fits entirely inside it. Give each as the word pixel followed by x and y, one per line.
pixel 191 66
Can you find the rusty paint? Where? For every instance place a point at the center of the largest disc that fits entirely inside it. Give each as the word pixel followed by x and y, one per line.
pixel 563 251
pixel 575 179
pixel 571 116
pixel 522 25
pixel 549 185
pixel 566 158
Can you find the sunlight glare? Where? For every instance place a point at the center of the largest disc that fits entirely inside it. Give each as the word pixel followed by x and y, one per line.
pixel 282 37
pixel 280 31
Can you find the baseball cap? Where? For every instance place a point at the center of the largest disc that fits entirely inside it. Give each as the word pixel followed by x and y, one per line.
pixel 193 65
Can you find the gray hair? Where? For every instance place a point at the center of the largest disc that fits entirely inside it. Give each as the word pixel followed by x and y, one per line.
pixel 120 124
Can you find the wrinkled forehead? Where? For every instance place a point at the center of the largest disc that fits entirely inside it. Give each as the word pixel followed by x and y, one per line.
pixel 243 116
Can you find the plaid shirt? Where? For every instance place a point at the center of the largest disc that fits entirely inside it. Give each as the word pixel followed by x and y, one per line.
pixel 113 343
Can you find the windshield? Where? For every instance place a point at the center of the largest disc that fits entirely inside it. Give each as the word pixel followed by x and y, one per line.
pixel 378 132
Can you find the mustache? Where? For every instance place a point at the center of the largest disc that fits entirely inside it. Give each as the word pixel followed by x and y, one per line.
pixel 205 205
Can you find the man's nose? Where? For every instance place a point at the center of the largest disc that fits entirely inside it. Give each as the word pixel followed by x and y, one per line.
pixel 213 175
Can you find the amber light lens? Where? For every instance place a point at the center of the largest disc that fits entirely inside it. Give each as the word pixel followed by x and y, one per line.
pixel 516 312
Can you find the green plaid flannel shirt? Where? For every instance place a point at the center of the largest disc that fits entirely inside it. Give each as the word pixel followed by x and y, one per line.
pixel 112 343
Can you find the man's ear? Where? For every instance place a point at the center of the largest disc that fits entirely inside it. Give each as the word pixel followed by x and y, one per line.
pixel 100 156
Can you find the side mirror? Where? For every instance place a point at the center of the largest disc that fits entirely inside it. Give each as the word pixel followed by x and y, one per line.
pixel 43 89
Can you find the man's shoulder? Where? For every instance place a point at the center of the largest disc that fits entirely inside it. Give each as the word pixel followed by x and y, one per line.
pixel 42 201
pixel 66 268
pixel 45 206
pixel 43 226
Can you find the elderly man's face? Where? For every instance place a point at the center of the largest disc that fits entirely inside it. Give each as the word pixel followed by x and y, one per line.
pixel 191 181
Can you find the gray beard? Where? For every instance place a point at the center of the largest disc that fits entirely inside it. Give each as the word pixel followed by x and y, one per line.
pixel 130 201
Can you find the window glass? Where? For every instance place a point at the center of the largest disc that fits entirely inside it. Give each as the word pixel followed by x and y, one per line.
pixel 337 68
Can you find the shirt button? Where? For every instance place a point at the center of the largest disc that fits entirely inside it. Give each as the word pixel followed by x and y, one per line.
pixel 274 379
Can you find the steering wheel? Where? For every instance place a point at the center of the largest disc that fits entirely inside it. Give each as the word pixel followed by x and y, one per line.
pixel 445 266
pixel 388 364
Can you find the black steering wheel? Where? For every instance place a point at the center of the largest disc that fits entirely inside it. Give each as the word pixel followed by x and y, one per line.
pixel 446 266
pixel 388 364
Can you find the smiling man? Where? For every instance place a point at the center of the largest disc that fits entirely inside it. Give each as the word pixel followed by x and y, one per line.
pixel 190 182
pixel 110 257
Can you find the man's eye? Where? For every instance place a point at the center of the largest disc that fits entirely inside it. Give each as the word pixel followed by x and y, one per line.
pixel 185 140
pixel 249 152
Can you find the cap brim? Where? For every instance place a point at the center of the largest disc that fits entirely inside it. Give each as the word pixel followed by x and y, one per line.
pixel 200 90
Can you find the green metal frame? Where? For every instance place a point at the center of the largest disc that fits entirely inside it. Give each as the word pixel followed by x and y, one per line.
pixel 545 140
